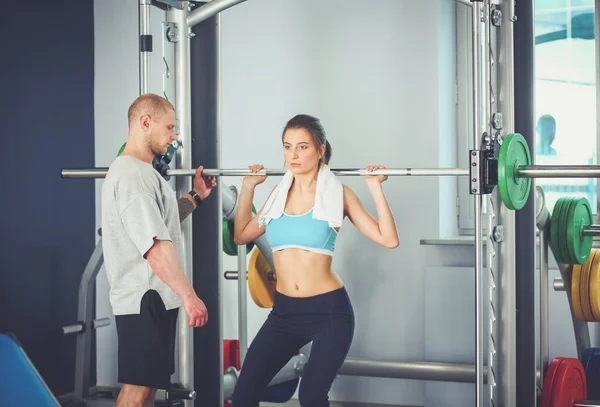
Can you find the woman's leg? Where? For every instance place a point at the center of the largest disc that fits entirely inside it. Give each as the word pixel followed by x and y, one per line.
pixel 328 352
pixel 271 349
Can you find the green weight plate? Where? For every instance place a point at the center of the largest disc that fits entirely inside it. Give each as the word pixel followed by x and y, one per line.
pixel 513 153
pixel 229 246
pixel 566 257
pixel 554 226
pixel 121 149
pixel 578 217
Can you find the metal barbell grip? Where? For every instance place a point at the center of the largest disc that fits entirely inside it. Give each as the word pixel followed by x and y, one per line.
pixel 423 172
pixel 558 171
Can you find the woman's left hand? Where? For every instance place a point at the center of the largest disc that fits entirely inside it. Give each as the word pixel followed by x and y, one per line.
pixel 375 178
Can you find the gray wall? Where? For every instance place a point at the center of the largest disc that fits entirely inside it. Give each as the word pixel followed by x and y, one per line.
pixel 381 78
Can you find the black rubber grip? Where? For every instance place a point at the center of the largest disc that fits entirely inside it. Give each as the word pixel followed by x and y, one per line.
pixel 146 43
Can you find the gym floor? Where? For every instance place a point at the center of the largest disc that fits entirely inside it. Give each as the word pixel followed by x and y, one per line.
pixel 294 403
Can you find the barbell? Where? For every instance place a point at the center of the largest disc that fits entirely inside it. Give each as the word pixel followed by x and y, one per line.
pixel 513 168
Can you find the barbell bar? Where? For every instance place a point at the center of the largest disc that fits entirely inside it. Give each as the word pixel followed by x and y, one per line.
pixel 529 171
pixel 514 172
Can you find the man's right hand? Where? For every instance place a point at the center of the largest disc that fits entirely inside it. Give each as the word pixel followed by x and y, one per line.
pixel 196 311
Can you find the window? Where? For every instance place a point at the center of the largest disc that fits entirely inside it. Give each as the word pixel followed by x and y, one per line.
pixel 565 94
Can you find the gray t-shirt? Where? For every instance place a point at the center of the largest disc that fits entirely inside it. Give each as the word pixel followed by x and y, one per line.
pixel 138 206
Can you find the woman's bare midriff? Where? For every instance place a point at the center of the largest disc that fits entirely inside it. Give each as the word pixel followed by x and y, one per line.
pixel 301 273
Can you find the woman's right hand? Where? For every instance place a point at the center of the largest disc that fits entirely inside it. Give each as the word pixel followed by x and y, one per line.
pixel 254 180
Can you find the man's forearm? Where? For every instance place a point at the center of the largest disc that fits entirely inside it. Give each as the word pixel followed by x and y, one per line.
pixel 186 206
pixel 165 263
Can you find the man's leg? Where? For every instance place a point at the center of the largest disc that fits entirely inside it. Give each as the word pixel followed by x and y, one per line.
pixel 136 396
pixel 146 351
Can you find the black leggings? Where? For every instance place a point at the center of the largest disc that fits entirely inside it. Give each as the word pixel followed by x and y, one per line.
pixel 326 319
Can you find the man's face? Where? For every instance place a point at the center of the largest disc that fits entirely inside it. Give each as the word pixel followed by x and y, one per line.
pixel 162 132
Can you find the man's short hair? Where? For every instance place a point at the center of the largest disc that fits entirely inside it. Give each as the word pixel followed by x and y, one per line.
pixel 153 105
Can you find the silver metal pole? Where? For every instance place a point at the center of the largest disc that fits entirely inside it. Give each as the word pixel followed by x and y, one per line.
pixel 85 313
pixel 586 404
pixel 506 313
pixel 559 171
pixel 477 103
pixel 580 328
pixel 425 172
pixel 218 64
pixel 183 184
pixel 144 10
pixel 592 230
pixel 445 372
pixel 242 303
pixel 544 331
pixel 210 9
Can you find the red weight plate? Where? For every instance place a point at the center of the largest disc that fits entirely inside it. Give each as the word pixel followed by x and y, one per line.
pixel 569 384
pixel 549 381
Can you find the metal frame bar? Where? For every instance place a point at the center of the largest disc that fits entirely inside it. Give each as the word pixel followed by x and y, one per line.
pixel 543 225
pixel 144 29
pixel 477 133
pixel 210 9
pixel 183 185
pixel 85 314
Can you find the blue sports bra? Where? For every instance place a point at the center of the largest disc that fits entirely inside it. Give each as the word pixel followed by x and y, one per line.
pixel 301 232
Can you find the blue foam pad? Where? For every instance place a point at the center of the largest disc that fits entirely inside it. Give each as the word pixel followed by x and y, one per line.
pixel 280 393
pixel 20 383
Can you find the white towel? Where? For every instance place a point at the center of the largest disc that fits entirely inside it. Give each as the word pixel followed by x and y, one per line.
pixel 329 199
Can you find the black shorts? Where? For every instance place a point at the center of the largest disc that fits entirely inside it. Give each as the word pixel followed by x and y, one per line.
pixel 146 355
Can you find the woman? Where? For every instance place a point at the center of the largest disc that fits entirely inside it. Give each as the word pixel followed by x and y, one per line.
pixel 302 218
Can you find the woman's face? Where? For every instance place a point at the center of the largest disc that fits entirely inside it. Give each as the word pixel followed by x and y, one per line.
pixel 300 151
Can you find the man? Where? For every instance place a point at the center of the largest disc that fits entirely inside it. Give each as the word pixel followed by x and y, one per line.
pixel 546 129
pixel 142 246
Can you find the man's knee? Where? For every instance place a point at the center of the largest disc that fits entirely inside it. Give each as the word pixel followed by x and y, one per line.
pixel 135 396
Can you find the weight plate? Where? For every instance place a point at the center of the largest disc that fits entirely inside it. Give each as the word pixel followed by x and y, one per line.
pixel 262 288
pixel 575 292
pixel 229 246
pixel 549 380
pixel 554 226
pixel 593 375
pixel 514 190
pixel 121 149
pixel 584 289
pixel 569 383
pixel 579 217
pixel 586 358
pixel 595 284
pixel 562 232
